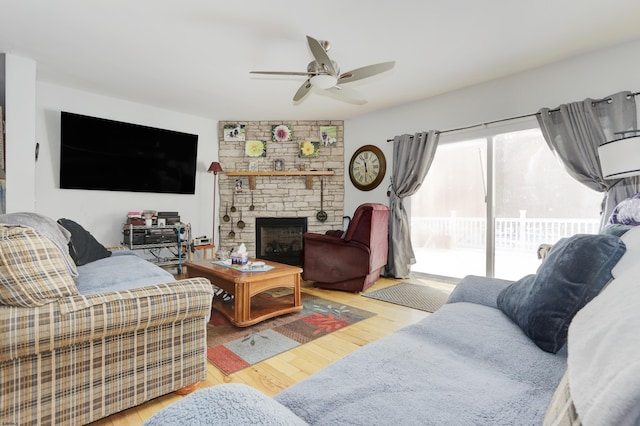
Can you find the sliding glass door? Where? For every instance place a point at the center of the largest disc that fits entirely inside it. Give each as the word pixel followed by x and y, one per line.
pixel 487 203
pixel 448 214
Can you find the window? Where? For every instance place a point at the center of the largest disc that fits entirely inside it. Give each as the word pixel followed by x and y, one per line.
pixel 513 179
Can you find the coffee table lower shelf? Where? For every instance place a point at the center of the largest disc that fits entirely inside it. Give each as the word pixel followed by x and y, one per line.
pixel 250 306
pixel 261 308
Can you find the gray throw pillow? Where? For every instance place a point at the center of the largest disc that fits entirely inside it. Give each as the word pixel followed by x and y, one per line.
pixel 574 272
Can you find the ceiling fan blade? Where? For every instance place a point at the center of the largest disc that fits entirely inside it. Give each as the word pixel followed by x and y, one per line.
pixel 364 72
pixel 282 73
pixel 302 91
pixel 320 55
pixel 348 95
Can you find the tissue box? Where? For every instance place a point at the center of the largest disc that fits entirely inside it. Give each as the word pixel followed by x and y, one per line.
pixel 239 258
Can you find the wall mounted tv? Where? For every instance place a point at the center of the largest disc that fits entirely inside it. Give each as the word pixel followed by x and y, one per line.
pixel 101 154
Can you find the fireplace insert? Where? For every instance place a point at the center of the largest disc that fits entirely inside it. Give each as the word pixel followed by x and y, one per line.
pixel 279 239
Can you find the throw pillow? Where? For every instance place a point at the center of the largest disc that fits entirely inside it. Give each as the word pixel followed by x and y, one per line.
pixel 627 212
pixel 47 227
pixel 574 272
pixel 33 271
pixel 84 248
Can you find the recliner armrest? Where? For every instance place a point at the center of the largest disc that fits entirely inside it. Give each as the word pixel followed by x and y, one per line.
pixel 321 255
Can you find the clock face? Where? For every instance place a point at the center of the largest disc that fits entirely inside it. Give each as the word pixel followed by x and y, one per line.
pixel 367 167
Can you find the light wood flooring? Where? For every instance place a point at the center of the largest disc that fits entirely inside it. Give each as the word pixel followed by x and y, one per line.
pixel 275 374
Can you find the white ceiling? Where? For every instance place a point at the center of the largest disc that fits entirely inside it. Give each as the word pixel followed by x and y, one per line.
pixel 194 56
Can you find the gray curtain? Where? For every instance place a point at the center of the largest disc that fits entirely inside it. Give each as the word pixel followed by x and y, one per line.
pixel 574 131
pixel 412 157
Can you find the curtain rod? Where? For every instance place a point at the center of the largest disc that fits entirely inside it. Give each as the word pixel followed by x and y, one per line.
pixel 510 118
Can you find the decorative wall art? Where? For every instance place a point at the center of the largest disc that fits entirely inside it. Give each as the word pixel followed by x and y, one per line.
pixel 278 165
pixel 255 148
pixel 328 135
pixel 309 149
pixel 234 132
pixel 281 133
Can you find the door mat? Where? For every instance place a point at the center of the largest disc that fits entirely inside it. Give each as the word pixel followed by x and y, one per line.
pixel 232 348
pixel 417 296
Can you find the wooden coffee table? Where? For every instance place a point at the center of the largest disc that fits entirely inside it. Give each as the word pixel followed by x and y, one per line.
pixel 248 307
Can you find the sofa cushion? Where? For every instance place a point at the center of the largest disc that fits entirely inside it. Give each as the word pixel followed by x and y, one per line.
pixel 573 273
pixel 83 248
pixel 33 271
pixel 47 227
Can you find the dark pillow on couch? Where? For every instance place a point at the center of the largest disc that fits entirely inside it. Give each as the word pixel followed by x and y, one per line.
pixel 83 248
pixel 574 272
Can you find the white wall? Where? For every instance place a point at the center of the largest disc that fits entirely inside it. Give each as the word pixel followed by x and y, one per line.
pixel 595 75
pixel 104 212
pixel 20 106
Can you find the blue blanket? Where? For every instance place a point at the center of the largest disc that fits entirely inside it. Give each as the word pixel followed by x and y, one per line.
pixel 466 364
pixel 123 270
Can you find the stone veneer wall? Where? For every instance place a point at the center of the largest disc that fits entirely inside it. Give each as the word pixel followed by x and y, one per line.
pixel 279 196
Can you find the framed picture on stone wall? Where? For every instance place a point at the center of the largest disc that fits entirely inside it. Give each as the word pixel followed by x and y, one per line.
pixel 255 148
pixel 281 133
pixel 309 149
pixel 328 135
pixel 234 132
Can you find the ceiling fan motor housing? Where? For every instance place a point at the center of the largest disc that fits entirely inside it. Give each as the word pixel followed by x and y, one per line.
pixel 316 68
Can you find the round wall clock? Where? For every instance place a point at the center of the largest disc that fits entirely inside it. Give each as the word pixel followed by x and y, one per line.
pixel 367 167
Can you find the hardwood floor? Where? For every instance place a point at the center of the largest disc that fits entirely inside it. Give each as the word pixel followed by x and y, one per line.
pixel 275 374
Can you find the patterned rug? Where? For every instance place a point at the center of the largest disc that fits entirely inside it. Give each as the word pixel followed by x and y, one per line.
pixel 233 348
pixel 417 296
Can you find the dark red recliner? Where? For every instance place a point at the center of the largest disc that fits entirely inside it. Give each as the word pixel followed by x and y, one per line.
pixel 353 262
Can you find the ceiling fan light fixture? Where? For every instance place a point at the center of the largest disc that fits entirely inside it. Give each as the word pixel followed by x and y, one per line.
pixel 323 81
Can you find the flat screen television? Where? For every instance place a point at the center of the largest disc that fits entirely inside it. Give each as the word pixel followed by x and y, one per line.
pixel 101 154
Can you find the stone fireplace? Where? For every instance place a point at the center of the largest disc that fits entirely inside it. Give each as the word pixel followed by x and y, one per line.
pixel 265 194
pixel 280 239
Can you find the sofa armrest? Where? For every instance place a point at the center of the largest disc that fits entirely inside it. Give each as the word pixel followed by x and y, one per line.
pixel 480 290
pixel 77 319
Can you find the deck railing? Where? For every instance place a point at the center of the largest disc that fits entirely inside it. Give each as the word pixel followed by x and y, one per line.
pixel 520 233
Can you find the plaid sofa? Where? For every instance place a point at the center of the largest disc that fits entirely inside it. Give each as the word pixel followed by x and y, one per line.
pixel 69 358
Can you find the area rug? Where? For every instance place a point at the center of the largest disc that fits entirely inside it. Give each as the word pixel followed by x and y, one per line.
pixel 232 348
pixel 417 296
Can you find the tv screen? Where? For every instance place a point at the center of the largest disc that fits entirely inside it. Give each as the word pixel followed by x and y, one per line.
pixel 101 154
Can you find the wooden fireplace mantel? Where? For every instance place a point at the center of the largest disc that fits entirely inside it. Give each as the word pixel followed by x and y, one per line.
pixel 309 174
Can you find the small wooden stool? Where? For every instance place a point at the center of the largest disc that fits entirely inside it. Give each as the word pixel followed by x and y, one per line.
pixel 204 249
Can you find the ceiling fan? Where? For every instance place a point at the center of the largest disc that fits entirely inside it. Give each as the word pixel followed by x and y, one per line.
pixel 324 74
